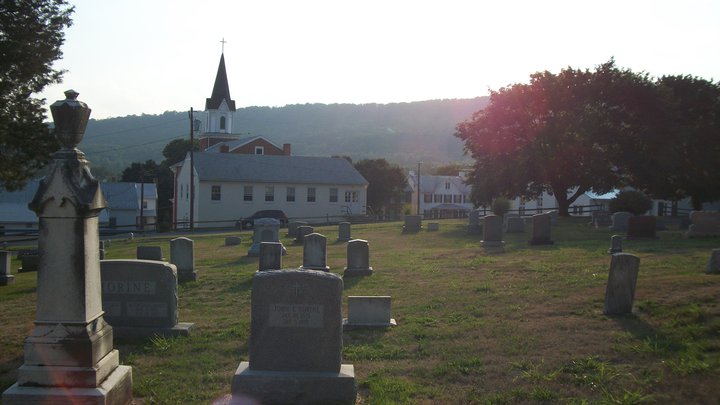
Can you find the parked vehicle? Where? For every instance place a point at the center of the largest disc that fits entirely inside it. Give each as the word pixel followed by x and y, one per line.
pixel 247 223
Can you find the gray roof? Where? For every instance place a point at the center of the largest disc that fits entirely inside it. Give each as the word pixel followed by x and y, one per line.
pixel 276 169
pixel 126 196
pixel 429 183
pixel 238 143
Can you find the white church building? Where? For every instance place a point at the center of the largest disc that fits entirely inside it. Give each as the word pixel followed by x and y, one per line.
pixel 236 176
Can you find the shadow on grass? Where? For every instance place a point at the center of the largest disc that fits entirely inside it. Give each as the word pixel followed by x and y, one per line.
pixel 9 370
pixel 240 287
pixel 241 261
pixel 352 281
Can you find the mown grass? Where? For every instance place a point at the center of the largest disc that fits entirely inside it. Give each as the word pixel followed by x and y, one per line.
pixel 521 326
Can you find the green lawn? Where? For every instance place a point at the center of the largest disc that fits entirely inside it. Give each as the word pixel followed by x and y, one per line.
pixel 522 326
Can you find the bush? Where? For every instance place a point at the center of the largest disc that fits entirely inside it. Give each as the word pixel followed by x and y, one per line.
pixel 500 206
pixel 631 201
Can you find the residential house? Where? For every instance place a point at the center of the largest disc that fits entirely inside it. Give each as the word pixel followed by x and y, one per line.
pixel 440 196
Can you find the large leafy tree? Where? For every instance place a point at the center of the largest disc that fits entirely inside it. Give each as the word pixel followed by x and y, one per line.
pixel 386 181
pixel 552 134
pixel 681 150
pixel 176 150
pixel 31 33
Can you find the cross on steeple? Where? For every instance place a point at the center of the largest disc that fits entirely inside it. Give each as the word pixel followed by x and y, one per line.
pixel 223 42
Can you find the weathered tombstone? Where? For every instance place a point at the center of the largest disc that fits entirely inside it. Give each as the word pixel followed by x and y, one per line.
pixel 140 298
pixel 232 240
pixel 514 224
pixel 600 218
pixel 29 260
pixel 150 253
pixel 293 227
pixel 641 227
pixel 302 231
pixel 101 250
pixel 492 232
pixel 69 356
pixel 358 258
pixel 713 266
pixel 433 226
pixel 615 244
pixel 620 221
pixel 554 214
pixel 344 232
pixel 182 255
pixel 541 229
pixel 315 252
pixel 265 230
pixel 6 277
pixel 295 345
pixel 368 312
pixel 474 227
pixel 704 223
pixel 270 256
pixel 622 278
pixel 413 223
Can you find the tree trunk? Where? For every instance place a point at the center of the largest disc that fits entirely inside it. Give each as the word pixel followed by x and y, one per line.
pixel 564 202
pixel 696 203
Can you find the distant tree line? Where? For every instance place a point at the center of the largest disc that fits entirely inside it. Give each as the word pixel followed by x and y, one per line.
pixel 582 130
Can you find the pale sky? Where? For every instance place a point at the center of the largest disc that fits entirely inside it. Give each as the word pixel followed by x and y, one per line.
pixel 129 57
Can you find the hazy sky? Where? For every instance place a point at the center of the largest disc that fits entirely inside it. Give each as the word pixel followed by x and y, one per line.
pixel 150 56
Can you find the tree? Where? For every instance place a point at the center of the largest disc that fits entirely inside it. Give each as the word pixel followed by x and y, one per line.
pixel 386 181
pixel 176 150
pixel 681 149
pixel 31 34
pixel 162 176
pixel 552 134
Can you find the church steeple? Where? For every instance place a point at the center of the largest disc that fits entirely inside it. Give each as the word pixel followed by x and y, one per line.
pixel 221 89
pixel 220 107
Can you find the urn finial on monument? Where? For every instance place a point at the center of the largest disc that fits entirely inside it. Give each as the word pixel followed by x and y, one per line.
pixel 71 118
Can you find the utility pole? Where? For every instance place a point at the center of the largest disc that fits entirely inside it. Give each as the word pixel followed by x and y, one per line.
pixel 192 172
pixel 418 189
pixel 142 200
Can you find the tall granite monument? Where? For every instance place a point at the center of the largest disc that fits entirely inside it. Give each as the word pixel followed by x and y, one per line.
pixel 69 356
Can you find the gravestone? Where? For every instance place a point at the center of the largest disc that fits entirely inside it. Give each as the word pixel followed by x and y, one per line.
pixel 315 253
pixel 474 227
pixel 514 224
pixel 344 232
pixel 492 232
pixel 713 266
pixel 150 253
pixel 265 230
pixel 69 356
pixel 620 221
pixel 270 256
pixel 29 260
pixel 232 240
pixel 704 223
pixel 295 344
pixel 641 227
pixel 622 278
pixel 6 277
pixel 302 231
pixel 413 224
pixel 541 229
pixel 101 250
pixel 140 298
pixel 358 258
pixel 182 255
pixel 293 227
pixel 600 218
pixel 368 312
pixel 615 244
pixel 433 227
pixel 554 214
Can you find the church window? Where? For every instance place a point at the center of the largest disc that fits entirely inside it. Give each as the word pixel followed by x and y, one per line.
pixel 222 122
pixel 290 194
pixel 427 198
pixel 351 196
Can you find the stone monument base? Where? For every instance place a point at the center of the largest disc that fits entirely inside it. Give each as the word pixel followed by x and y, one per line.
pixel 7 280
pixel 318 268
pixel 350 326
pixel 286 387
pixel 181 329
pixel 116 389
pixel 184 276
pixel 358 272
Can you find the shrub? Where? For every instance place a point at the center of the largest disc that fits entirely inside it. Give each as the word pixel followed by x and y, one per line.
pixel 500 206
pixel 631 201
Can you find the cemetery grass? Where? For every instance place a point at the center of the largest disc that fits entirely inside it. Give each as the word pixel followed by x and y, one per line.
pixel 520 326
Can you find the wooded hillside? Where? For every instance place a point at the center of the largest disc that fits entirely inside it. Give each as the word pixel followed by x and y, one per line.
pixel 402 133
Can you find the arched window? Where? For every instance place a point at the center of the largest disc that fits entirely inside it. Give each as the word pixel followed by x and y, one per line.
pixel 222 122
